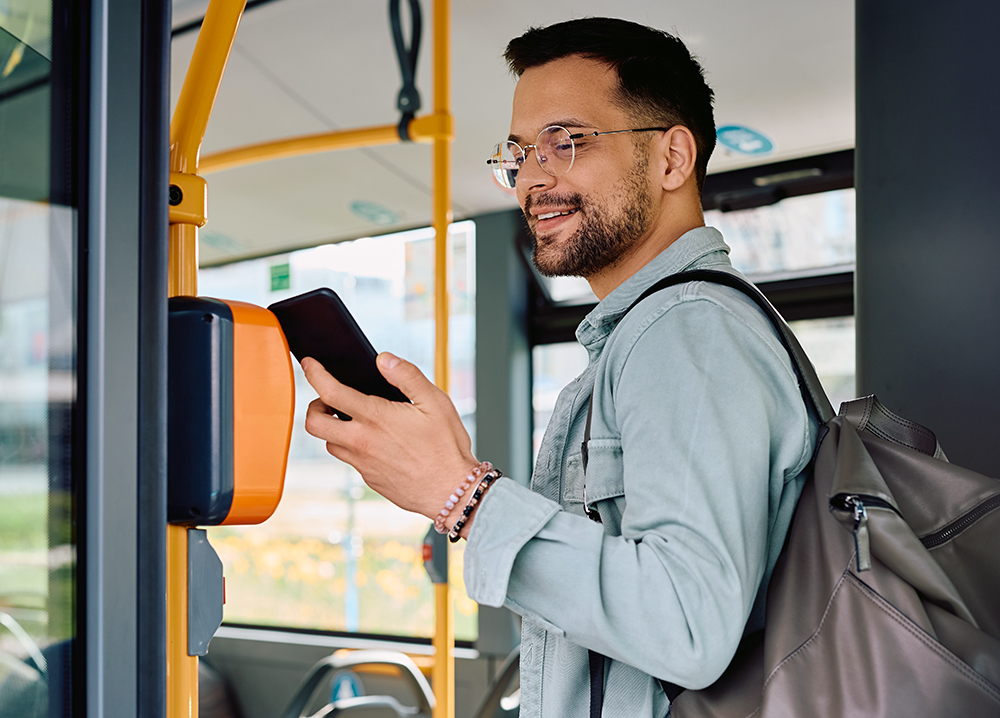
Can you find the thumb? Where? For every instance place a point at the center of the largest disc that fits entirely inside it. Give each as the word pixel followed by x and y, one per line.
pixel 406 377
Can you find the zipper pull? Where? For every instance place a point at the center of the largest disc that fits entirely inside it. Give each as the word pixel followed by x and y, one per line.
pixel 861 542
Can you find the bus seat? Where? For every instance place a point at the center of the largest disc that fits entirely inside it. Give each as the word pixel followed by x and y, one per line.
pixel 383 705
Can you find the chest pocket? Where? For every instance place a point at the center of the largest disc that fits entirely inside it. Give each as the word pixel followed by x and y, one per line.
pixel 605 482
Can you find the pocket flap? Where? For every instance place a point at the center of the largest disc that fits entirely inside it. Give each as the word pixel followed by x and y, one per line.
pixel 605 470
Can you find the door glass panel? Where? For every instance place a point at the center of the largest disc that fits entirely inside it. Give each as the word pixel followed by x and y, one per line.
pixel 37 379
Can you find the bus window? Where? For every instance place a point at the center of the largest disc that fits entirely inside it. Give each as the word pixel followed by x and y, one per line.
pixel 810 232
pixel 336 556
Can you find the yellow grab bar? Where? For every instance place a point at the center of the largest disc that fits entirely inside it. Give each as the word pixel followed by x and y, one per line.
pixel 444 631
pixel 187 132
pixel 422 129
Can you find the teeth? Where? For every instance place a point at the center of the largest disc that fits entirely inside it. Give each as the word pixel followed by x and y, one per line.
pixel 550 215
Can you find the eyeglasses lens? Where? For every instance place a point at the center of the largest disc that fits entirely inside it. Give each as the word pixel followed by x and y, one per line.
pixel 553 148
pixel 507 159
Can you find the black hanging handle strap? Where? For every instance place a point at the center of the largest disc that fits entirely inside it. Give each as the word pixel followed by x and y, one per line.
pixel 408 101
pixel 812 392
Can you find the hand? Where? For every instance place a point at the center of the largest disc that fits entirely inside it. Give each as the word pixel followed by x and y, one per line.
pixel 412 454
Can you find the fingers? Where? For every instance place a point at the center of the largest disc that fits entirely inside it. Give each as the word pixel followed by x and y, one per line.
pixel 334 394
pixel 407 378
pixel 409 453
pixel 339 435
pixel 321 421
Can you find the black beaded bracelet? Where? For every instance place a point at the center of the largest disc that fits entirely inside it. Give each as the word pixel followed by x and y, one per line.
pixel 487 480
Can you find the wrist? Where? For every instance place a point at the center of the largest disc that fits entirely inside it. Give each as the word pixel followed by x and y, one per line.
pixel 456 501
pixel 460 528
pixel 455 518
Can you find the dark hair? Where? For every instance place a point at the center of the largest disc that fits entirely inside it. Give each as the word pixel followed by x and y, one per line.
pixel 658 80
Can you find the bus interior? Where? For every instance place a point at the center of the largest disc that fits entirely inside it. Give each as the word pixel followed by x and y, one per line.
pixel 865 213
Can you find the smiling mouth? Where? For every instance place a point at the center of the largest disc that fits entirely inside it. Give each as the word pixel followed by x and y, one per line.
pixel 550 215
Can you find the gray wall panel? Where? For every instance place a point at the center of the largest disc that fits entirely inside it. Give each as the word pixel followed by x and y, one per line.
pixel 928 297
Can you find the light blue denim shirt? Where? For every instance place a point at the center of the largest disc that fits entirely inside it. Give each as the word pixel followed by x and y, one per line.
pixel 700 443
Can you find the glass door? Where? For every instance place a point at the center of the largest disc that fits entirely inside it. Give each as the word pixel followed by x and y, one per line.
pixel 38 377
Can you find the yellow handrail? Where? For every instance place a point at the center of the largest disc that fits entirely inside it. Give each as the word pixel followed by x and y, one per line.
pixel 422 129
pixel 444 631
pixel 187 132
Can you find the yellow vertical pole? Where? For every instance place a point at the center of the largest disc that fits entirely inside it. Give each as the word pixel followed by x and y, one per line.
pixel 444 634
pixel 182 669
pixel 187 132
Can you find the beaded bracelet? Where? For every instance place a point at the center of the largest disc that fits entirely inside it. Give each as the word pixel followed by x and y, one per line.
pixel 487 480
pixel 459 492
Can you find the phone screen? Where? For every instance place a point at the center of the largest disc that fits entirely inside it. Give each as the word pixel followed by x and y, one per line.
pixel 318 325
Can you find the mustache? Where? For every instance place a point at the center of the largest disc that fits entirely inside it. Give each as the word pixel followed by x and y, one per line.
pixel 533 201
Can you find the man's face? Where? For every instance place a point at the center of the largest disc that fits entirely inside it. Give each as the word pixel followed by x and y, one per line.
pixel 586 220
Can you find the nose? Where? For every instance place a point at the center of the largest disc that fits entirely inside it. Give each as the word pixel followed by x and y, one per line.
pixel 531 176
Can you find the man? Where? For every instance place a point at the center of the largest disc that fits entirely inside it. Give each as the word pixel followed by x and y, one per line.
pixel 699 440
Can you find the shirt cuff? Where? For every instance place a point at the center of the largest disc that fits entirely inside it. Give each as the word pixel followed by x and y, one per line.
pixel 507 518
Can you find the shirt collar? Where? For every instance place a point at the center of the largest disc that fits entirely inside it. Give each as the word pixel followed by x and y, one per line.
pixel 699 247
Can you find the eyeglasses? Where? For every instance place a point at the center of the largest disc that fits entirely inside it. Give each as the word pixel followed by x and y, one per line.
pixel 555 150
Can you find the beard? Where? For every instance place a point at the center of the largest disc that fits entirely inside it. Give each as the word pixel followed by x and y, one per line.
pixel 606 235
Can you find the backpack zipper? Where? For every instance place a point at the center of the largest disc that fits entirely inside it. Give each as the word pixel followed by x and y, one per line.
pixel 961 523
pixel 858 504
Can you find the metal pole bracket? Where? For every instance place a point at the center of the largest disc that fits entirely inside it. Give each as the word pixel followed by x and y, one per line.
pixel 188 199
pixel 427 128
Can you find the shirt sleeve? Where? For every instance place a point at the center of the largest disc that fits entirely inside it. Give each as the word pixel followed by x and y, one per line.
pixel 711 425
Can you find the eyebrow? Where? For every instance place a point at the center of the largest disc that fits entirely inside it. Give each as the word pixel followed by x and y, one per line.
pixel 567 122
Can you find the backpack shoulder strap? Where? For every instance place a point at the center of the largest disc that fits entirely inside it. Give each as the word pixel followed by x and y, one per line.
pixel 809 383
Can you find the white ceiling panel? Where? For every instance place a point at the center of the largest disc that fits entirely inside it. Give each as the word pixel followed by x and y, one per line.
pixel 782 67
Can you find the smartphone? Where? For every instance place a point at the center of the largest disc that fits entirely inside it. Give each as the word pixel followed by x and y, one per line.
pixel 318 325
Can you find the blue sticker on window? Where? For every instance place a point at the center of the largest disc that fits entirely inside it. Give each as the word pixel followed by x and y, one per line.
pixel 743 140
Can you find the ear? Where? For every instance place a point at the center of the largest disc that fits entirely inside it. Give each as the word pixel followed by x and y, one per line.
pixel 679 156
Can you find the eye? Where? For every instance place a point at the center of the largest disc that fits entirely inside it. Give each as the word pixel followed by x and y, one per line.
pixel 514 153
